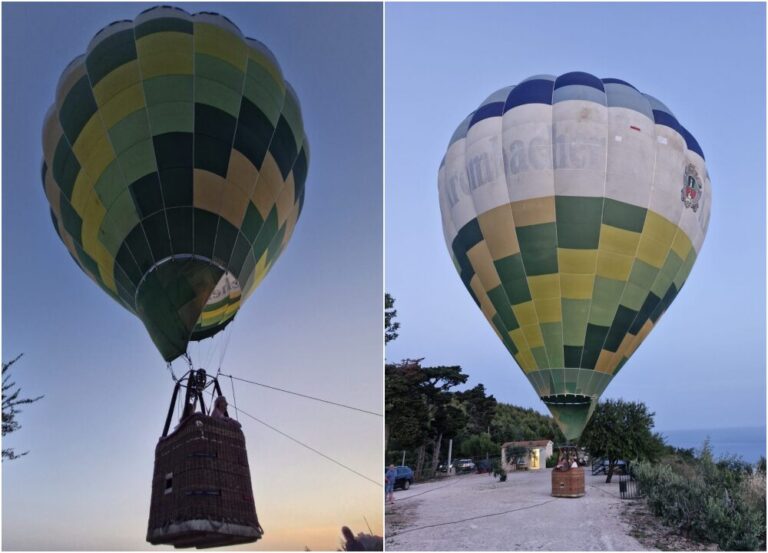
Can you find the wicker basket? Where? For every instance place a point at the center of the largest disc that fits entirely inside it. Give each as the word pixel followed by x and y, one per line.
pixel 201 489
pixel 568 483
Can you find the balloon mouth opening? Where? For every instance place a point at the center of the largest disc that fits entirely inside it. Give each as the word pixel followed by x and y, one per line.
pixel 567 399
pixel 227 280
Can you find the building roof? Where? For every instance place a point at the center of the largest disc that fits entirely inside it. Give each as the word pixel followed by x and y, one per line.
pixel 530 443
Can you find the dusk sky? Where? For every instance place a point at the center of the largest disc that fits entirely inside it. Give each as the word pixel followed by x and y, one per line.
pixel 704 366
pixel 313 326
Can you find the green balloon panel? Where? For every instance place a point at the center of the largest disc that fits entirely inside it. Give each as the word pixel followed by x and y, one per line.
pixel 174 164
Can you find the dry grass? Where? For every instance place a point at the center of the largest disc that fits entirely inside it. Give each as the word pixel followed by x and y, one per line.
pixel 752 490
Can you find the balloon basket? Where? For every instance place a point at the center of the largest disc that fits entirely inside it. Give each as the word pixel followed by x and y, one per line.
pixel 568 483
pixel 201 486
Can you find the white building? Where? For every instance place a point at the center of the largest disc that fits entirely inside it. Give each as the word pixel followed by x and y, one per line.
pixel 538 451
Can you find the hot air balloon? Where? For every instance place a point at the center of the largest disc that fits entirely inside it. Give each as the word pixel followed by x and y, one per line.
pixel 573 208
pixel 174 163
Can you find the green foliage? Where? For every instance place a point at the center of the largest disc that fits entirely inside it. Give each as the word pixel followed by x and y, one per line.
pixel 717 501
pixel 621 430
pixel 514 424
pixel 688 454
pixel 11 402
pixel 406 411
pixel 422 412
pixel 551 461
pixel 390 327
pixel 418 401
pixel 479 408
pixel 477 445
pixel 515 454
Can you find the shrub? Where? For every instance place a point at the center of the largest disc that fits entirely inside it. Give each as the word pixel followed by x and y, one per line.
pixel 722 502
pixel 551 461
pixel 761 464
pixel 499 471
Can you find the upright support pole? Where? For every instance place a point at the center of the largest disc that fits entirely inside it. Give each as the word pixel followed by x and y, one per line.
pixel 189 398
pixel 170 409
pixel 450 451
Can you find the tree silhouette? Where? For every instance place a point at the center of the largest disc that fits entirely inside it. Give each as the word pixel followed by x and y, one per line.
pixel 390 327
pixel 11 402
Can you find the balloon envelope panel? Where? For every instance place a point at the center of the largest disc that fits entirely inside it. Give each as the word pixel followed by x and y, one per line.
pixel 573 208
pixel 174 163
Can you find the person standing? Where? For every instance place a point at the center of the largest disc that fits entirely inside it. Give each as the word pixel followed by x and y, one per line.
pixel 390 476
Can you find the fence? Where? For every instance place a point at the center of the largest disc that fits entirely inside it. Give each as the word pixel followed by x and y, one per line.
pixel 628 487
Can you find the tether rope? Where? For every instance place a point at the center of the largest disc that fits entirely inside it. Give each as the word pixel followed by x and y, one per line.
pixel 407 530
pixel 302 444
pixel 304 395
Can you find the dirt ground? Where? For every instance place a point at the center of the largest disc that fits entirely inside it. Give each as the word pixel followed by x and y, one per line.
pixel 652 533
pixel 476 512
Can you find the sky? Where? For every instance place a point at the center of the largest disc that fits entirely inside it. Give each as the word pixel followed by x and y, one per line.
pixel 704 366
pixel 313 326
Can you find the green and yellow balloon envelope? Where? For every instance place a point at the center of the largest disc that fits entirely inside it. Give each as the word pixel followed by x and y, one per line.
pixel 174 164
pixel 573 208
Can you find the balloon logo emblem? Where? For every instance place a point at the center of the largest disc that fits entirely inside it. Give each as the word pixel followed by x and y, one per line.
pixel 691 192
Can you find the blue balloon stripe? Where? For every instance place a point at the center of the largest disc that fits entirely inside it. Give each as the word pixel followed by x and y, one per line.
pixel 579 78
pixel 691 142
pixel 617 81
pixel 577 85
pixel 494 109
pixel 537 91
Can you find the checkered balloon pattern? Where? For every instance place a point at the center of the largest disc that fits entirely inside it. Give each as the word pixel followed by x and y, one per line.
pixel 174 164
pixel 573 208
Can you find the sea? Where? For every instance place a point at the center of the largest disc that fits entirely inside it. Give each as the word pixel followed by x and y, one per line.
pixel 745 442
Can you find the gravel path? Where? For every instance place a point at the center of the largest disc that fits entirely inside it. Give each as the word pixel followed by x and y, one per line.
pixel 476 512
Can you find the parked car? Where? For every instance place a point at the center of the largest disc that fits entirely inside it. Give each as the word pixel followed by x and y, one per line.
pixel 464 465
pixel 404 477
pixel 484 466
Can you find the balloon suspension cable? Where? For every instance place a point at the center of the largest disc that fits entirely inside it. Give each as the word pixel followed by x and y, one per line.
pixel 227 336
pixel 234 398
pixel 190 365
pixel 170 369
